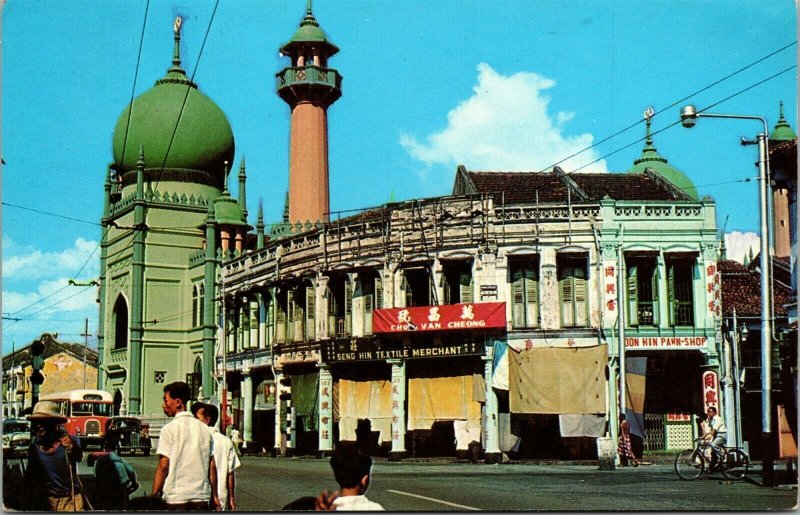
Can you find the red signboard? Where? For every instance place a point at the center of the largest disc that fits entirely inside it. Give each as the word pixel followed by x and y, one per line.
pixel 448 317
pixel 710 391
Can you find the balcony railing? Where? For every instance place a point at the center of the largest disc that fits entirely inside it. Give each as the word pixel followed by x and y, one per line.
pixel 310 74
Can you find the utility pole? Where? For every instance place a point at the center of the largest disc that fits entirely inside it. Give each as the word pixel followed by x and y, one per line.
pixel 85 349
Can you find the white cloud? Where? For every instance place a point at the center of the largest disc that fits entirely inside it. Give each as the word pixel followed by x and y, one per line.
pixel 505 126
pixel 28 263
pixel 738 245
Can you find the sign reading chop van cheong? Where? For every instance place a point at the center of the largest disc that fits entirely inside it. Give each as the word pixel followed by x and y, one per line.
pixel 448 317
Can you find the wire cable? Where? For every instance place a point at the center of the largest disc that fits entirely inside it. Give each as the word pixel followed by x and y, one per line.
pixel 135 78
pixel 186 97
pixel 9 204
pixel 668 107
pixel 679 121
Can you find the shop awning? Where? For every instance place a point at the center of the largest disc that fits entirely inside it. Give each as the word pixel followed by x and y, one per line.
pixel 553 380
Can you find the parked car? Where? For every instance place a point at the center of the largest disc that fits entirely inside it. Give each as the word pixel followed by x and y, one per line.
pixel 16 437
pixel 127 434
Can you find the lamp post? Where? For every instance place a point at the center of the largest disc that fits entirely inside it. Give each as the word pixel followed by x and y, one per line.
pixel 689 116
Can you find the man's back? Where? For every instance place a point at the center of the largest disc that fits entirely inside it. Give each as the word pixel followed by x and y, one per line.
pixel 188 444
pixel 227 461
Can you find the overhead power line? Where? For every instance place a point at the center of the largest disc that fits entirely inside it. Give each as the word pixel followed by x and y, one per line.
pixel 673 104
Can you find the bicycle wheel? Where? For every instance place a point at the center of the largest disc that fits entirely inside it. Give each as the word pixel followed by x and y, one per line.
pixel 689 464
pixel 736 464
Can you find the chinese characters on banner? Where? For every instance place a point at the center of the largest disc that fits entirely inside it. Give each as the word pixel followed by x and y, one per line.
pixel 610 288
pixel 326 410
pixel 397 409
pixel 710 390
pixel 480 315
pixel 713 289
pixel 679 417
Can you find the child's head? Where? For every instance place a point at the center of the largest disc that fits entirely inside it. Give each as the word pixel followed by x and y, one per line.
pixel 351 467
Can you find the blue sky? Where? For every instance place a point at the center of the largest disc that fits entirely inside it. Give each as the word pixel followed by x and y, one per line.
pixel 492 85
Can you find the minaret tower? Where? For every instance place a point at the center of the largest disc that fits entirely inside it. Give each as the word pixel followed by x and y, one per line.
pixel 309 87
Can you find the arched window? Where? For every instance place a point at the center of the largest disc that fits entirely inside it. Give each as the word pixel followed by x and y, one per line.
pixel 195 379
pixel 202 302
pixel 194 306
pixel 120 323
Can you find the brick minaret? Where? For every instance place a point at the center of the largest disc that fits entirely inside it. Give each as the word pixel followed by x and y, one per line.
pixel 309 87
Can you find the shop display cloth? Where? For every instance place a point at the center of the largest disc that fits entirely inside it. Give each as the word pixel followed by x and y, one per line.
pixel 364 400
pixel 305 394
pixel 432 399
pixel 582 424
pixel 635 375
pixel 555 380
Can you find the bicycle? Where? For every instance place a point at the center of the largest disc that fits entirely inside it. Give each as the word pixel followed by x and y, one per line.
pixel 693 463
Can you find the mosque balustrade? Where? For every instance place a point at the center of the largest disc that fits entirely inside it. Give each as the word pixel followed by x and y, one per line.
pixel 309 74
pixel 684 211
pixel 119 355
pixel 539 214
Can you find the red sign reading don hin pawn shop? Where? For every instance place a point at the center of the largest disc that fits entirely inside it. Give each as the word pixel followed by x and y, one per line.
pixel 448 317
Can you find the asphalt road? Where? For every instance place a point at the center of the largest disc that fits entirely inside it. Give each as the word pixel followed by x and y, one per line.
pixel 267 484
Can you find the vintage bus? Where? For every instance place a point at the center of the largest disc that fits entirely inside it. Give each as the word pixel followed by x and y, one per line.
pixel 87 412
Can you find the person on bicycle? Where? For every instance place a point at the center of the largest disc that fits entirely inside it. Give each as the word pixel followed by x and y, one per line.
pixel 717 433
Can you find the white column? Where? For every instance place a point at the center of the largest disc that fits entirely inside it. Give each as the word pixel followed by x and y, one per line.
pixel 398 408
pixel 325 411
pixel 279 413
pixel 247 399
pixel 491 430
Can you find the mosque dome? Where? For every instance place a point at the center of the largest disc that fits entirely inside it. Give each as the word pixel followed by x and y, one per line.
pixel 654 161
pixel 196 151
pixel 309 33
pixel 782 131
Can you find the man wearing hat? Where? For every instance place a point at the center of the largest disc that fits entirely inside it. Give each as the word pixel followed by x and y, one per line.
pixel 224 455
pixel 52 459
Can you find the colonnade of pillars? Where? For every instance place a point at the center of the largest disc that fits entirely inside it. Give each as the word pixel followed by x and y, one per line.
pixel 398 398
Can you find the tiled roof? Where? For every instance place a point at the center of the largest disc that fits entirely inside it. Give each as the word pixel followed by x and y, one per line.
pixel 741 289
pixel 522 187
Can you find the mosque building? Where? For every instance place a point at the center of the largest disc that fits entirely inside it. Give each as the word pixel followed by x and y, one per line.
pixel 488 320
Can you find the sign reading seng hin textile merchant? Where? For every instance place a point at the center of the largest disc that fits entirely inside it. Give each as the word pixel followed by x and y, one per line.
pixel 369 349
pixel 447 317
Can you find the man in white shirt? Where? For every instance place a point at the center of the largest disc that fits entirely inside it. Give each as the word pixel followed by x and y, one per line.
pixel 717 433
pixel 186 476
pixel 225 456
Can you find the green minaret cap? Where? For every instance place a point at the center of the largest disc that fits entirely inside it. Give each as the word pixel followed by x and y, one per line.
pixel 309 33
pixel 651 159
pixel 783 131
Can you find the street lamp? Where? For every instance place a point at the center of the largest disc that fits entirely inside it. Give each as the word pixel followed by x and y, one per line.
pixel 689 116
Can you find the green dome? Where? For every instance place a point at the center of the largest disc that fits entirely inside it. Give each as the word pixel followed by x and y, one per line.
pixel 227 211
pixel 309 32
pixel 203 140
pixel 652 160
pixel 783 131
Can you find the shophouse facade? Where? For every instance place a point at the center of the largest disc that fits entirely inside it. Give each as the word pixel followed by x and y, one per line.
pixel 402 315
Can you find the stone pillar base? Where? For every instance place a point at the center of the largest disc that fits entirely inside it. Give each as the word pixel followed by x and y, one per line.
pixel 324 454
pixel 490 458
pixel 276 452
pixel 397 455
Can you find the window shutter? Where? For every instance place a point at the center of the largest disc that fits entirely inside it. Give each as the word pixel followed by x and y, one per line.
pixel 567 302
pixel 671 294
pixel 633 295
pixel 348 307
pixel 465 281
pixel 378 292
pixel 580 299
pixel 311 302
pixel 531 299
pixel 518 298
pixel 404 287
pixel 656 307
pixel 368 293
pixel 202 303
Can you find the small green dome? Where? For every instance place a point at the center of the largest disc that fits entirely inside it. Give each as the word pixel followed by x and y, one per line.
pixel 651 159
pixel 783 131
pixel 227 210
pixel 309 32
pixel 203 140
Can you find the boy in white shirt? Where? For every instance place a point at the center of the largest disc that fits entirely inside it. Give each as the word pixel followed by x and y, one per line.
pixel 351 468
pixel 225 456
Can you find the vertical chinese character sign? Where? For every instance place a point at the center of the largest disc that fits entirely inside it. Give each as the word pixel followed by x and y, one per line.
pixel 710 390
